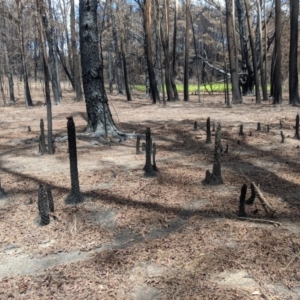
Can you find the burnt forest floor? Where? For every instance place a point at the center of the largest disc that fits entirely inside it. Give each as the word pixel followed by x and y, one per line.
pixel 167 237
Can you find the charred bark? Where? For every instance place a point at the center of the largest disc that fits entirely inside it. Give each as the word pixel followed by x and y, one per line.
pixel 75 195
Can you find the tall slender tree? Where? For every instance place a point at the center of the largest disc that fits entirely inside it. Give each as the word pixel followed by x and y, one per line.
pixel 293 58
pixel 236 95
pixel 75 57
pixel 276 76
pixel 254 58
pixel 186 52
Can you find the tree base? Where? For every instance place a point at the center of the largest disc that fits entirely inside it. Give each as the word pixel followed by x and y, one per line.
pixel 212 178
pixel 74 198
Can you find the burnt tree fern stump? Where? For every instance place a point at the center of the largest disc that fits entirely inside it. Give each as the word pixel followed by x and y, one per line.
pixel 43 206
pixel 75 195
pixel 216 177
pixel 148 168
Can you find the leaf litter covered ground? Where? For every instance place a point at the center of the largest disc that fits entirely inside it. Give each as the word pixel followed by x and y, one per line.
pixel 168 237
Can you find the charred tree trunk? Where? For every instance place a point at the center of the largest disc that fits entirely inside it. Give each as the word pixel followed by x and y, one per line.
pixel 276 83
pixel 100 119
pixel 176 97
pixel 186 53
pixel 75 195
pixel 293 59
pixel 128 94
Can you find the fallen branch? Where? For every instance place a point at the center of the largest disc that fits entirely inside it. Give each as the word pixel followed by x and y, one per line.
pixel 268 208
pixel 264 221
pixel 266 205
pixel 291 261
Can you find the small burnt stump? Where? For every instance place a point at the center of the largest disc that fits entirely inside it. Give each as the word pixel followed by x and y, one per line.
pixel 75 196
pixel 50 198
pixel 195 126
pixel 148 168
pixel 43 206
pixel 208 133
pixel 241 130
pixel 242 211
pixel 216 177
pixel 138 141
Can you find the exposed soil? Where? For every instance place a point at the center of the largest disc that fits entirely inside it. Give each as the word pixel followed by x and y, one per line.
pixel 166 237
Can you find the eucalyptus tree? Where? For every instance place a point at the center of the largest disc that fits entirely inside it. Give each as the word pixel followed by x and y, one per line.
pixel 100 119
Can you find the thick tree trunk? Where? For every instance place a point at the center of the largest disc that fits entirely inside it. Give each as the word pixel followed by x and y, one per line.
pixel 186 53
pixel 76 69
pixel 100 119
pixel 236 95
pixel 293 59
pixel 276 83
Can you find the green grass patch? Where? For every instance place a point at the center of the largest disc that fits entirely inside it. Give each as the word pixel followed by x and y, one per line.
pixel 209 87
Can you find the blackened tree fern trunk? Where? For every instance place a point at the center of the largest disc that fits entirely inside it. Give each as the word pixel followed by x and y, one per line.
pixel 74 196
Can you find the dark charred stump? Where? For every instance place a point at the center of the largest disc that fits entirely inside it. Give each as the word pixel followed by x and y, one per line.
pixel 75 195
pixel 214 127
pixel 268 128
pixel 2 192
pixel 282 137
pixel 250 133
pixel 251 199
pixel 258 126
pixel 42 144
pixel 297 128
pixel 215 177
pixel 241 130
pixel 148 168
pixel 242 212
pixel 153 156
pixel 226 150
pixel 50 198
pixel 208 133
pixel 195 126
pixel 138 141
pixel 43 206
pixel 143 147
pixel 280 125
pixel 29 128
